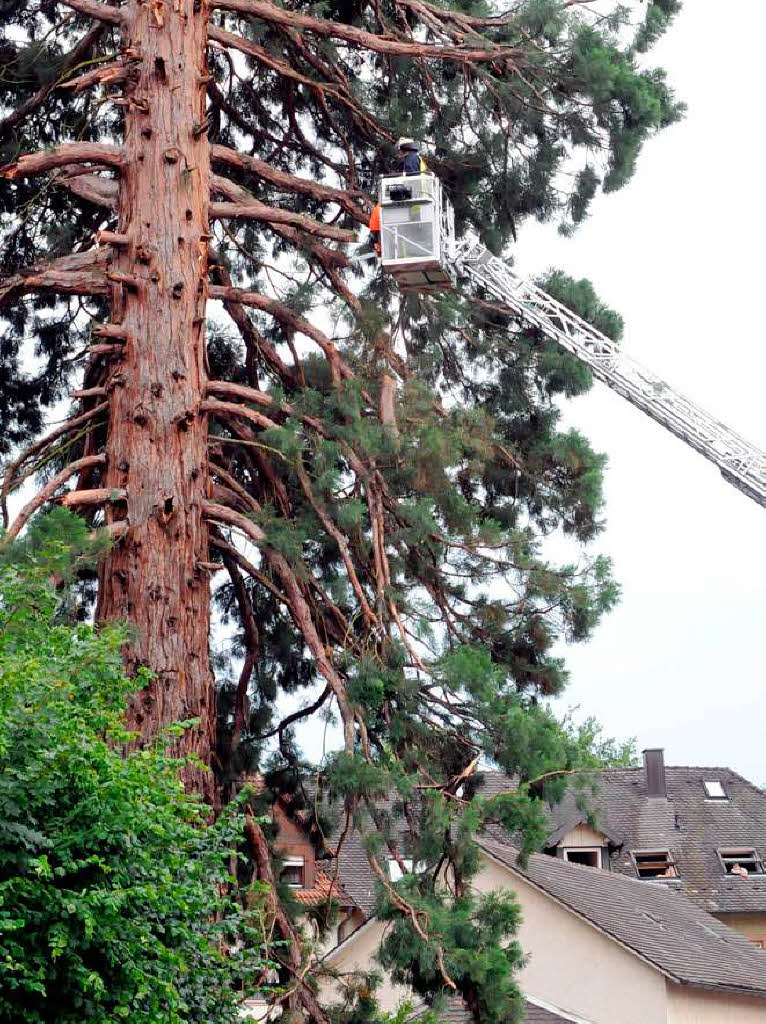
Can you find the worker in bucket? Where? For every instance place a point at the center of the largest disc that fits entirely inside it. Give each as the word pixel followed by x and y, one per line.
pixel 372 243
pixel 410 161
pixel 374 227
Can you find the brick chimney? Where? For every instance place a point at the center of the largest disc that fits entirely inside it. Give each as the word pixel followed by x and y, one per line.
pixel 654 772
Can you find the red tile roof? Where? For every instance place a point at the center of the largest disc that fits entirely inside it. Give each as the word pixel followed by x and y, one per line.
pixel 324 888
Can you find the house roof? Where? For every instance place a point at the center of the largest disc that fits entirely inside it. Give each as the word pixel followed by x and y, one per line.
pixel 455 1011
pixel 687 824
pixel 324 888
pixel 659 924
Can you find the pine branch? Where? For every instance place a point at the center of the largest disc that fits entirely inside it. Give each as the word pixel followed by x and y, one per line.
pixel 255 343
pixel 259 849
pixel 225 410
pixel 252 649
pixel 72 59
pixel 231 40
pixel 339 367
pixel 297 605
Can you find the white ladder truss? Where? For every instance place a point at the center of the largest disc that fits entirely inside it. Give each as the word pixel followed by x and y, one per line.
pixel 740 462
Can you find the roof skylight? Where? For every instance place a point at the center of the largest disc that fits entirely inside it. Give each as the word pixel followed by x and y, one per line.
pixel 714 790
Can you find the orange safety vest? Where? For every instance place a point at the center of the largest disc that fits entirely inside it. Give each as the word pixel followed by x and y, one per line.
pixel 374 224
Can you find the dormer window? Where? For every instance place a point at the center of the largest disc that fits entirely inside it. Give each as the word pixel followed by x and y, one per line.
pixel 740 861
pixel 293 872
pixel 591 857
pixel 654 864
pixel 714 790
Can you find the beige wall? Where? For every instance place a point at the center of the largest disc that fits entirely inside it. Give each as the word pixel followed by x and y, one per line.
pixel 573 966
pixel 583 835
pixel 358 954
pixel 752 926
pixel 696 1006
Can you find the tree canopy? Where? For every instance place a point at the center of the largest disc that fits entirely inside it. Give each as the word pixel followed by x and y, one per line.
pixel 374 474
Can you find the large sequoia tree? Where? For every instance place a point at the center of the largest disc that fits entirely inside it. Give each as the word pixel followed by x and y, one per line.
pixel 372 476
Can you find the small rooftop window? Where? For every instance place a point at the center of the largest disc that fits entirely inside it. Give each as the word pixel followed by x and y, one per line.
pixel 590 856
pixel 395 872
pixel 714 790
pixel 740 861
pixel 293 872
pixel 654 864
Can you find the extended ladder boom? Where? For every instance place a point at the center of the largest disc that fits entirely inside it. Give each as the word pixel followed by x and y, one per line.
pixel 740 462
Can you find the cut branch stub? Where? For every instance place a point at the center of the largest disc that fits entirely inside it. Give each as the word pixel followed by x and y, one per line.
pixel 95 496
pixel 115 331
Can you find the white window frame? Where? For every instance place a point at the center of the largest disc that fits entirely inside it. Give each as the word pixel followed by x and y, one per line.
pixel 583 849
pixel 737 854
pixel 395 872
pixel 713 796
pixel 656 853
pixel 295 861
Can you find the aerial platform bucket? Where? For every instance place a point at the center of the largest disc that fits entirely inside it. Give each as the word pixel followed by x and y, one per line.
pixel 417 232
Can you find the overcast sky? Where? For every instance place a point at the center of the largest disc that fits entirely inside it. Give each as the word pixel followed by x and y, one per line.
pixel 679 253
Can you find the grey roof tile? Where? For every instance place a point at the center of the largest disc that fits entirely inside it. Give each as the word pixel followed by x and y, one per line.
pixel 687 824
pixel 456 1012
pixel 660 924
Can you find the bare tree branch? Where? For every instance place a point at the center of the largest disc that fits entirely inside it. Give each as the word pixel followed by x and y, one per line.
pixel 81 273
pixel 69 153
pixel 292 19
pixel 83 183
pixel 290 182
pixel 40 445
pixel 94 9
pixel 49 490
pixel 254 209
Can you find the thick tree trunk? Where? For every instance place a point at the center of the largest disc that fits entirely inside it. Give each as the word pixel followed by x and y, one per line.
pixel 156 447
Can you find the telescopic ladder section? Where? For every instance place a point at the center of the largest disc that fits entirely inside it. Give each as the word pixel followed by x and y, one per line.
pixel 740 462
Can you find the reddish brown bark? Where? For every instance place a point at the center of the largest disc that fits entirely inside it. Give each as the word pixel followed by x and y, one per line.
pixel 156 446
